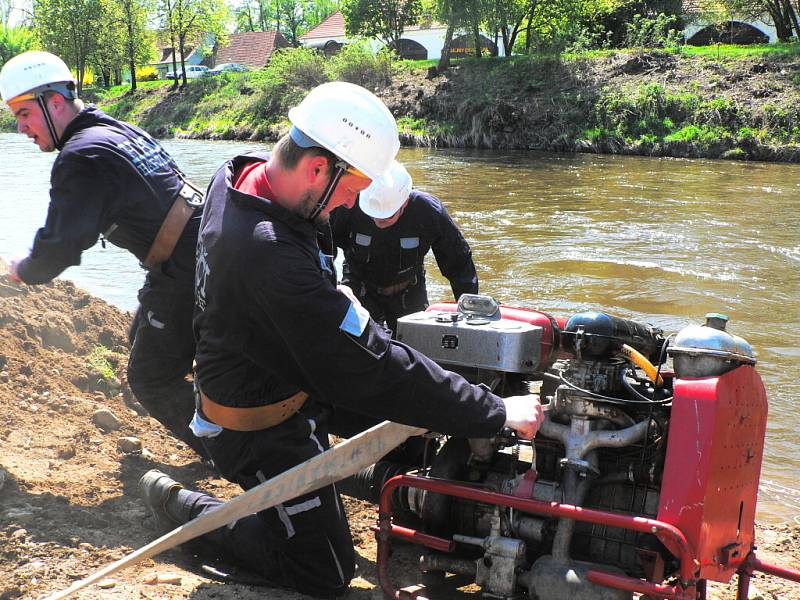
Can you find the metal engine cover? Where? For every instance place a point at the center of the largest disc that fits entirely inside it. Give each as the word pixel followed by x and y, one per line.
pixel 494 343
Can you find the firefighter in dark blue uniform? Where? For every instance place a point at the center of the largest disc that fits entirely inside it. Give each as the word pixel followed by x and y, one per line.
pixel 385 240
pixel 279 345
pixel 113 180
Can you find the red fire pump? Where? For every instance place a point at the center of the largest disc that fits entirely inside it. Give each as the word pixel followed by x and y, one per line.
pixel 643 478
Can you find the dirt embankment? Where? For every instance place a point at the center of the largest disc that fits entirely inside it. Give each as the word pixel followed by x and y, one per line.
pixel 643 103
pixel 73 444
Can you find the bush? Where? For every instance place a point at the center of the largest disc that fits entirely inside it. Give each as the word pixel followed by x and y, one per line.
pixel 15 40
pixel 146 73
pixel 660 31
pixel 297 67
pixel 358 64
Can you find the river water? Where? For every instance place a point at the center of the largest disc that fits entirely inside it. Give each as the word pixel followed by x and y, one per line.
pixel 659 240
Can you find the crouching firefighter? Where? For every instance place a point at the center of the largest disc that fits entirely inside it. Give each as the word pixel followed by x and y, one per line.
pixel 385 240
pixel 113 180
pixel 282 352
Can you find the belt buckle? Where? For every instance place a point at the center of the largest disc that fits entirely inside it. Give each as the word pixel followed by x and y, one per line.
pixel 191 196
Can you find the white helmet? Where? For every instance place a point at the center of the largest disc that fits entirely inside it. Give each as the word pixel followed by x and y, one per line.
pixel 30 74
pixel 386 194
pixel 351 122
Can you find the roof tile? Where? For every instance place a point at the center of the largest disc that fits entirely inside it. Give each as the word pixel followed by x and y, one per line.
pixel 252 48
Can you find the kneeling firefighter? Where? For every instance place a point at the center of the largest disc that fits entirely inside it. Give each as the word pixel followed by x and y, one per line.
pixel 113 181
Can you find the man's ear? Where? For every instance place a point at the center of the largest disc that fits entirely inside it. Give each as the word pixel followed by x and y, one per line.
pixel 317 167
pixel 56 103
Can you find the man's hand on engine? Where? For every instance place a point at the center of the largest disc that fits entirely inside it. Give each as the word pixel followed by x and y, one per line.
pixel 524 415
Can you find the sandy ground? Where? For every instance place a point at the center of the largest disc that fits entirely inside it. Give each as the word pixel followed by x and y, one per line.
pixel 68 497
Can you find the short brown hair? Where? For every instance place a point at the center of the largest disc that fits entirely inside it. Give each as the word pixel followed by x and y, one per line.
pixel 289 154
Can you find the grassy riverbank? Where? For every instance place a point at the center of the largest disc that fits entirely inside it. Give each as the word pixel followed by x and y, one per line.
pixel 732 102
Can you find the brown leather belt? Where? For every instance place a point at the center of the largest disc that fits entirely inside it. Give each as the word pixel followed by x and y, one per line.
pixel 188 199
pixel 252 418
pixel 391 290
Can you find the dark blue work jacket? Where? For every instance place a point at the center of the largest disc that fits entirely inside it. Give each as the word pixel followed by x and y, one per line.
pixel 383 257
pixel 110 179
pixel 269 322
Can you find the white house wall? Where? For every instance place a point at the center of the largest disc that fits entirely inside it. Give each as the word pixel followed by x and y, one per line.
pixel 431 39
pixel 699 23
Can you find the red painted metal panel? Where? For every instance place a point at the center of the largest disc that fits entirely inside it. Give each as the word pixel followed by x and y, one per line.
pixel 713 464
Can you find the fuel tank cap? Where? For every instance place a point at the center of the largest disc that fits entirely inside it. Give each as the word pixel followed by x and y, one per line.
pixel 708 350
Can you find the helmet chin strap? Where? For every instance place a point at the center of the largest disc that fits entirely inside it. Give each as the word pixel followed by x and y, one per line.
pixel 49 120
pixel 339 169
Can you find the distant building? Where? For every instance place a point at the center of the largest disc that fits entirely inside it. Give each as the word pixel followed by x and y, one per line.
pixel 253 48
pixel 706 27
pixel 419 42
pixel 165 64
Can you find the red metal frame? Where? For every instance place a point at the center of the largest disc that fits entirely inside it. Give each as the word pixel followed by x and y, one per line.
pixel 689 587
pixel 713 465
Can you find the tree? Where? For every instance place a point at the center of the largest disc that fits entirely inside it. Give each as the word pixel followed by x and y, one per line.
pixel 6 6
pixel 782 13
pixel 15 40
pixel 464 15
pixel 290 17
pixel 108 56
pixel 383 19
pixel 200 22
pixel 508 17
pixel 136 38
pixel 70 29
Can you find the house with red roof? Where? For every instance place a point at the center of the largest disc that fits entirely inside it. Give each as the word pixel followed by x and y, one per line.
pixel 252 48
pixel 419 42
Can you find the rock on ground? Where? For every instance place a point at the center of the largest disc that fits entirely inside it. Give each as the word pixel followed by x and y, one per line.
pixel 68 489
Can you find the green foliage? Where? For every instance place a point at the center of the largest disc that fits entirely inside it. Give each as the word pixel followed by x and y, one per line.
pixel 648 109
pixel 146 73
pixel 660 31
pixel 71 29
pixel 290 17
pixel 15 40
pixel 385 20
pixel 697 134
pixel 358 64
pixel 98 360
pixel 297 67
pixel 729 51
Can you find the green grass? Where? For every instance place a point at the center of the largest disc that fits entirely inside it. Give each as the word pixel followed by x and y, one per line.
pixel 416 65
pixel 733 51
pixel 98 361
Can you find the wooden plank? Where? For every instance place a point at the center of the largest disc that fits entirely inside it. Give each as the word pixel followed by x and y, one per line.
pixel 343 460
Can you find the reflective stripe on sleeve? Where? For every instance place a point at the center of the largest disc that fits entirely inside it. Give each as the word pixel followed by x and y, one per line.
pixel 355 321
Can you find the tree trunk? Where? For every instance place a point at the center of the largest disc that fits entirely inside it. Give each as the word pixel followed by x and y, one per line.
pixel 791 15
pixel 476 32
pixel 181 43
pixel 444 59
pixel 174 63
pixel 528 31
pixel 131 52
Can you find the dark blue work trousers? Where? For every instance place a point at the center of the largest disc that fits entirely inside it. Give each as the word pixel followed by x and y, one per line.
pixel 388 309
pixel 162 351
pixel 304 544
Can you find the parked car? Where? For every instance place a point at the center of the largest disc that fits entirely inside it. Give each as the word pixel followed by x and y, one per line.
pixel 230 67
pixel 192 72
